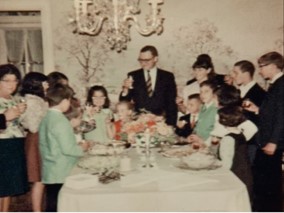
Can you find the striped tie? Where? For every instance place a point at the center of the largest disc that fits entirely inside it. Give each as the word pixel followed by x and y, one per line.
pixel 149 85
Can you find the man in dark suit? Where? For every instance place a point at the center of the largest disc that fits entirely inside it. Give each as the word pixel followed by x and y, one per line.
pixel 268 161
pixel 242 74
pixel 151 88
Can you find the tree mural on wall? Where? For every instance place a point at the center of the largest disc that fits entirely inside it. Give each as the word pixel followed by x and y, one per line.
pixel 199 37
pixel 86 57
pixel 279 43
pixel 90 53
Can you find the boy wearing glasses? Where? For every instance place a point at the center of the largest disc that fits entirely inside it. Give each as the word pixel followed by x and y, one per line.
pixel 268 161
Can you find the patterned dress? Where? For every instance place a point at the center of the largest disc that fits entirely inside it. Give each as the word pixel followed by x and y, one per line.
pixel 13 178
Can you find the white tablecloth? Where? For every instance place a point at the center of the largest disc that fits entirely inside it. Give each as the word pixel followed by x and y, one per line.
pixel 163 188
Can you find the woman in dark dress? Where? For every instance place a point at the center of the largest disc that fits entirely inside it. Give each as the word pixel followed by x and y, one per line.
pixel 233 146
pixel 13 178
pixel 203 70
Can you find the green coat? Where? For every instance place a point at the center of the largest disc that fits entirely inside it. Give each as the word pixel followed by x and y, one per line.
pixel 206 121
pixel 58 148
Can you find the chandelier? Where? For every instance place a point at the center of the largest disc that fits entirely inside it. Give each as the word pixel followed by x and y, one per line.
pixel 117 17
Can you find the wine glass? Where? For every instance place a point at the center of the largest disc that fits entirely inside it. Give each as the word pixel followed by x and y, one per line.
pixel 215 141
pixel 130 78
pixel 196 146
pixel 246 103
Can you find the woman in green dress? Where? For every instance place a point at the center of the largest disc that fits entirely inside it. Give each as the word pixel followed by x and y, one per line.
pixel 97 109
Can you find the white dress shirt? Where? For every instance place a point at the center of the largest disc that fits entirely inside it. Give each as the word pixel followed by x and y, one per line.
pixel 153 74
pixel 245 88
pixel 248 128
pixel 227 150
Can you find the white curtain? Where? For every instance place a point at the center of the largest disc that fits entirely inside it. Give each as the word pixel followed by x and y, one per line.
pixel 35 50
pixel 15 48
pixel 3 49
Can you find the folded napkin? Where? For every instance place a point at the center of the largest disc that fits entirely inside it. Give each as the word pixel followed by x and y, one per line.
pixel 81 181
pixel 179 181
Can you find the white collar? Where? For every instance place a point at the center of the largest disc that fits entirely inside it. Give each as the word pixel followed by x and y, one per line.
pixel 154 69
pixel 236 131
pixel 278 75
pixel 245 88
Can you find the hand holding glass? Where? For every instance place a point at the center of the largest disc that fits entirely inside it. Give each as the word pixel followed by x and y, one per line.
pixel 250 106
pixel 246 103
pixel 128 83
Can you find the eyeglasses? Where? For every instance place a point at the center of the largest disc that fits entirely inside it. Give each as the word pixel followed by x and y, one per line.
pixel 98 98
pixel 144 59
pixel 262 65
pixel 10 81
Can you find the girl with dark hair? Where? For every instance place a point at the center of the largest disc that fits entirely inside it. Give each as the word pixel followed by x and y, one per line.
pixel 13 178
pixel 233 146
pixel 97 108
pixel 33 90
pixel 203 70
pixel 228 95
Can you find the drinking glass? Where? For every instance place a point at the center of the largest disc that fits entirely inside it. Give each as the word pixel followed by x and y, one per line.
pixel 196 146
pixel 130 78
pixel 246 103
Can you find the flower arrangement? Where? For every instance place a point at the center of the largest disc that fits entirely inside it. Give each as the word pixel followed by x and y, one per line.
pixel 159 131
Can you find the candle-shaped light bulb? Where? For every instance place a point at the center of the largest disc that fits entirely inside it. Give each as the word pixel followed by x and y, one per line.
pixel 147 138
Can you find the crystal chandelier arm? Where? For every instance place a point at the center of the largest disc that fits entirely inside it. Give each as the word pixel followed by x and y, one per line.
pixel 91 14
pixel 85 23
pixel 93 29
pixel 156 22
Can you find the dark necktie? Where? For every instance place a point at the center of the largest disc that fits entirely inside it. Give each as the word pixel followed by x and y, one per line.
pixel 149 84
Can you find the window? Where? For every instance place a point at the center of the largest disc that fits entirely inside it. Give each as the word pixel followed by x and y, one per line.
pixel 21 39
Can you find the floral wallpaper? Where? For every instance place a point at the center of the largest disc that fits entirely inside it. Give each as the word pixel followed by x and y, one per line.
pixel 226 30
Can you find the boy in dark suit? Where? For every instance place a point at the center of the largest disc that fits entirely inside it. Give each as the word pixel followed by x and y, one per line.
pixel 243 72
pixel 151 88
pixel 268 161
pixel 187 122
